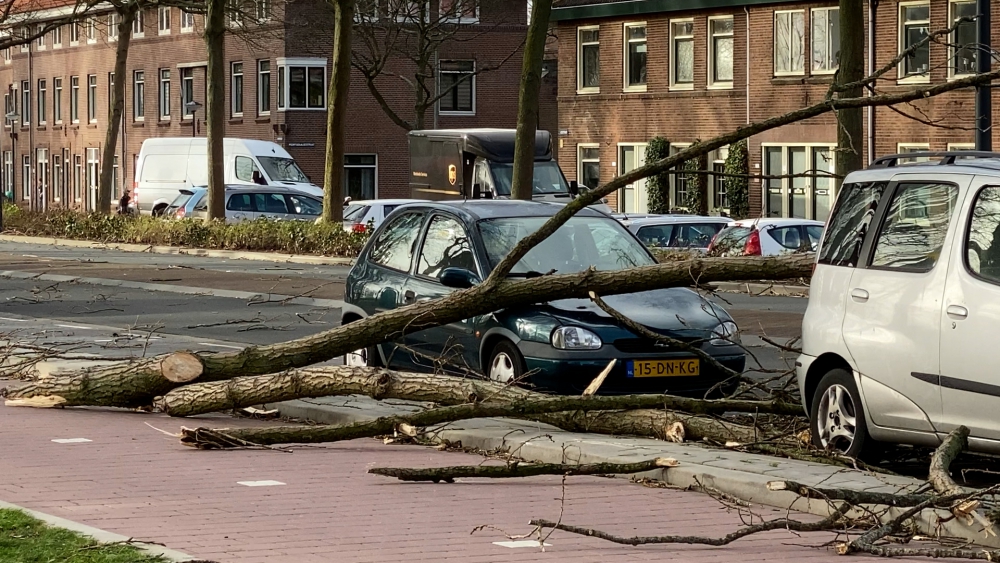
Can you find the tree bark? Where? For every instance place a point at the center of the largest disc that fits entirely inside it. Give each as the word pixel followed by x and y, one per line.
pixel 527 103
pixel 240 392
pixel 336 116
pixel 851 496
pixel 215 107
pixel 939 474
pixel 449 474
pixel 126 15
pixel 463 304
pixel 850 129
pixel 649 423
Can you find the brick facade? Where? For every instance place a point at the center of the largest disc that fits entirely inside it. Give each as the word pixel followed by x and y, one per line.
pixel 614 116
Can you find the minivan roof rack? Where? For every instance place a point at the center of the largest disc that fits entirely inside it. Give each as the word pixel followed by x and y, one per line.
pixel 947 157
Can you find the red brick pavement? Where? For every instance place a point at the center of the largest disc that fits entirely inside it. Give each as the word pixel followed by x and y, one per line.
pixel 135 481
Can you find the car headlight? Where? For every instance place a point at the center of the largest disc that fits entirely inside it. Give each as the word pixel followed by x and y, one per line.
pixel 726 334
pixel 575 338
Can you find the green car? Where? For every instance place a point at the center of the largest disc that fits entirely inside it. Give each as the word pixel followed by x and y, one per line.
pixel 426 250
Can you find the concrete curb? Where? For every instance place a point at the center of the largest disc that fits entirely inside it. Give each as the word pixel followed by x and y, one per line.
pixel 228 254
pixel 102 536
pixel 184 289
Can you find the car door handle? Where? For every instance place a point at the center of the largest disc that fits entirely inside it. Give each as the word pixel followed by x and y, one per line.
pixel 957 312
pixel 859 295
pixel 408 296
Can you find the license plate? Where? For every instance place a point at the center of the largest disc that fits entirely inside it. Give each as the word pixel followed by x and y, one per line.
pixel 662 368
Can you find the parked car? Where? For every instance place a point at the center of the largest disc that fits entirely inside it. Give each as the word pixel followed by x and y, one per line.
pixel 358 215
pixel 899 341
pixel 247 203
pixel 767 237
pixel 426 250
pixel 627 218
pixel 687 232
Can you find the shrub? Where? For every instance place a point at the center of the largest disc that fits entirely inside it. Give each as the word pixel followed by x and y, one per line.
pixel 738 186
pixel 658 185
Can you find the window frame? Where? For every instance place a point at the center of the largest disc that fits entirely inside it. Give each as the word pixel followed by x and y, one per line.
pixel 712 83
pixel 74 35
pixel 139 94
pixel 953 40
pixel 236 89
pixel 91 30
pixel 462 18
pixel 43 90
pixel 57 41
pixel 40 40
pixel 834 64
pixel 112 27
pixel 260 88
pixel 625 48
pixel 904 78
pixel 57 89
pixel 961 146
pixel 374 167
pixel 139 24
pixel 786 185
pixel 472 86
pixel 163 17
pixel 967 228
pixel 580 59
pixel 580 160
pixel 187 18
pixel 25 103
pixel 882 214
pixel 672 201
pixel 163 94
pixel 184 97
pixel 902 148
pixel 675 40
pixel 423 215
pixel 284 75
pixel 774 47
pixel 91 98
pixel 74 99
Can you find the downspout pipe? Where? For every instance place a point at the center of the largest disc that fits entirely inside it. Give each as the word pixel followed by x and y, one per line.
pixel 747 11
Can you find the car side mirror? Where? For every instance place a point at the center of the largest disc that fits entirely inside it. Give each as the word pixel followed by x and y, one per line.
pixel 574 187
pixel 458 278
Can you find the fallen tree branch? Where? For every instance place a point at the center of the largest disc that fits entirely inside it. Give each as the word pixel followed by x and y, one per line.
pixel 939 474
pixel 516 469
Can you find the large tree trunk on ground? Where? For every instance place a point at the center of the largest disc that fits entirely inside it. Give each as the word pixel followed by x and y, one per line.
pixel 482 299
pixel 336 126
pixel 215 107
pixel 126 16
pixel 527 104
pixel 449 474
pixel 850 129
pixel 650 423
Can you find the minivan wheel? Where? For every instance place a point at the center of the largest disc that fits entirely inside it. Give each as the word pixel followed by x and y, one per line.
pixel 506 364
pixel 837 417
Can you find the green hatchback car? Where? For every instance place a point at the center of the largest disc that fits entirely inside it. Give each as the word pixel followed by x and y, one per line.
pixel 426 250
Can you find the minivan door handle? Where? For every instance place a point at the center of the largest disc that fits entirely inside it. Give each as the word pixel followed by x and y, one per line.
pixel 859 295
pixel 957 312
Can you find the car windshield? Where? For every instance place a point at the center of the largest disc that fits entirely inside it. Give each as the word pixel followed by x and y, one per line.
pixel 548 178
pixel 577 245
pixel 283 169
pixel 355 212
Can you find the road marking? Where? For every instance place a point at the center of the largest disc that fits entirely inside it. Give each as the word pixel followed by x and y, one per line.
pixel 267 483
pixel 13 320
pixel 521 543
pixel 220 346
pixel 76 327
pixel 71 440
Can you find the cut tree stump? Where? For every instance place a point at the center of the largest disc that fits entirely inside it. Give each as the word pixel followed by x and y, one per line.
pixel 449 474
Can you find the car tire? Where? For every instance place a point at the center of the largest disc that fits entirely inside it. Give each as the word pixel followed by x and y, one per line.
pixel 837 416
pixel 365 357
pixel 506 364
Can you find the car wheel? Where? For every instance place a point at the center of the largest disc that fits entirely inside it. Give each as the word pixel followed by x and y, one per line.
pixel 365 357
pixel 837 417
pixel 506 364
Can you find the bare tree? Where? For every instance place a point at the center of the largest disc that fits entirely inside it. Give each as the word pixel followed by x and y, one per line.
pixel 340 87
pixel 527 105
pixel 126 12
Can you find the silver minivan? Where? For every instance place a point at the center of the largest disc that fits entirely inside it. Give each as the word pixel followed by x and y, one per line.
pixel 247 203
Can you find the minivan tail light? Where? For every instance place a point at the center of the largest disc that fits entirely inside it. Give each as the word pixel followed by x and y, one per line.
pixel 752 247
pixel 181 212
pixel 359 228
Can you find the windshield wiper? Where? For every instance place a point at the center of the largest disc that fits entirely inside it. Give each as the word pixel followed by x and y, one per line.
pixel 530 274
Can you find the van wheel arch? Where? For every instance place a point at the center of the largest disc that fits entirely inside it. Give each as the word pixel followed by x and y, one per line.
pixel 821 367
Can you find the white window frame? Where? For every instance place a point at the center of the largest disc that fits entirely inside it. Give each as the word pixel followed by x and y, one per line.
pixel 139 94
pixel 26 174
pixel 7 57
pixel 40 40
pixel 774 46
pixel 580 160
pixel 580 88
pixel 674 39
pixel 74 34
pixel 183 92
pixel 187 22
pixel 261 111
pixel 262 10
pixel 284 65
pixel 232 88
pixel 112 27
pixel 24 33
pixel 672 203
pixel 25 103
pixel 718 156
pixel 712 83
pixel 43 91
pixel 163 20
pixel 961 146
pixel 903 148
pixel 408 16
pixel 74 95
pixel 462 18
pixel 163 94
pixel 234 13
pixel 901 45
pixel 810 148
pixel 57 91
pixel 643 184
pixel 91 30
pixel 472 82
pixel 57 37
pixel 348 166
pixel 139 24
pixel 952 41
pixel 625 44
pixel 829 46
pixel 92 97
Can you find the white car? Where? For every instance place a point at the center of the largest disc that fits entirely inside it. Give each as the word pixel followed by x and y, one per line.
pixel 767 237
pixel 900 340
pixel 691 232
pixel 362 215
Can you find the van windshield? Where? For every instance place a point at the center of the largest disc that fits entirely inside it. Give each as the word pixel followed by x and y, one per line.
pixel 548 178
pixel 282 169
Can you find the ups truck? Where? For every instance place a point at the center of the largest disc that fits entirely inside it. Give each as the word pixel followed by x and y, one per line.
pixel 479 164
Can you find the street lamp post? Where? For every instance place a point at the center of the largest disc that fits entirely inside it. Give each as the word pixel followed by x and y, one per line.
pixel 192 107
pixel 11 118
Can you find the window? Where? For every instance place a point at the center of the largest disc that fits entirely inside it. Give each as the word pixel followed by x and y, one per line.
pixel 825 40
pixel 904 148
pixel 77 177
pixel 961 147
pixel 187 90
pixel 982 243
pixel 589 172
pixel 270 203
pixel 720 52
pixel 42 95
pixel 114 179
pixel 446 245
pixel 26 177
pixel 8 171
pixel 682 54
pixel 281 87
pixel 914 20
pixel 588 59
pixel 57 92
pixel 23 34
pixel 800 186
pixel 91 30
pixel 40 39
pixel 139 24
pixel 360 172
pixel 459 11
pixel 302 86
pixel 113 26
pixel 913 232
pixel 303 205
pixel 92 98
pixel 264 87
pixel 236 89
pixel 682 235
pixel 163 20
pixel 963 41
pixel 42 174
pixel 679 182
pixel 718 160
pixel 111 91
pixel 245 167
pixel 789 42
pixel 74 99
pixel 6 55
pixel 234 13
pixel 57 37
pixel 58 187
pixel 239 202
pixel 187 22
pixel 164 96
pixel 74 33
pixel 635 56
pixel 262 9
pixel 394 246
pixel 458 87
pixel 25 103
pixel 139 95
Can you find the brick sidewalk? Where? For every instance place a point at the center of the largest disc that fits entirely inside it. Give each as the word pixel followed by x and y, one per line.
pixel 132 480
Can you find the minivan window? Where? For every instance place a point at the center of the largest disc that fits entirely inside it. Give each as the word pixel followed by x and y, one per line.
pixel 849 222
pixel 548 179
pixel 239 202
pixel 394 246
pixel 982 242
pixel 302 205
pixel 270 203
pixel 282 169
pixel 912 235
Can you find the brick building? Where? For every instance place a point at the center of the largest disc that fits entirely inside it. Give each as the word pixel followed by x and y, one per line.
pixel 276 88
pixel 692 69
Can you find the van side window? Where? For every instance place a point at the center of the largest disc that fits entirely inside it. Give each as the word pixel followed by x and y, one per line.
pixel 244 168
pixel 270 203
pixel 912 235
pixel 982 242
pixel 395 245
pixel 849 222
pixel 238 202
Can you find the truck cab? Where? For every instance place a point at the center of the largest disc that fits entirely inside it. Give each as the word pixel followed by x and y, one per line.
pixel 479 164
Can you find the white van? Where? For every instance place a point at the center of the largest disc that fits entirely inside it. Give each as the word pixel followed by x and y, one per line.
pixel 168 164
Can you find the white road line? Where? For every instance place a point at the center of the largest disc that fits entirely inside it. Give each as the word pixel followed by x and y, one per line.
pixel 13 320
pixel 266 483
pixel 219 346
pixel 71 440
pixel 521 543
pixel 76 327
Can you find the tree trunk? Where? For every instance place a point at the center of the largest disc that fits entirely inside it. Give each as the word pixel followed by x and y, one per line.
pixel 126 15
pixel 939 474
pixel 527 103
pixel 850 130
pixel 463 304
pixel 648 422
pixel 336 116
pixel 449 474
pixel 215 107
